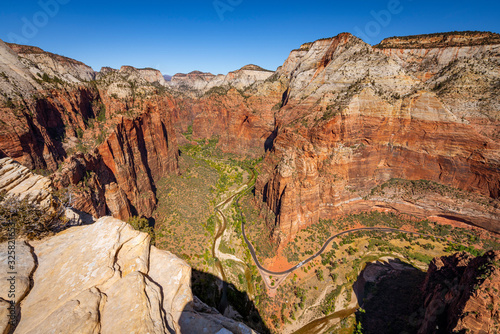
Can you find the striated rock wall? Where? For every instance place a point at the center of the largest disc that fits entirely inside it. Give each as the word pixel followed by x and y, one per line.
pixel 119 177
pixel 37 115
pixel 243 122
pixel 198 83
pixel 62 113
pixel 353 118
pixel 339 118
pixel 40 62
pixel 17 180
pixel 138 153
pixel 105 278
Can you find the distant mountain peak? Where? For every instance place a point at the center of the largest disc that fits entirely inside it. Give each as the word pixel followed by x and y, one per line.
pixel 252 67
pixel 443 39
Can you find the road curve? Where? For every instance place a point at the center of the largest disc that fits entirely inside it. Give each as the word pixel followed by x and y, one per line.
pixel 325 245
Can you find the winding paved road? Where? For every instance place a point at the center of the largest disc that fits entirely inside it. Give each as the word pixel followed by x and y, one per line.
pixel 252 250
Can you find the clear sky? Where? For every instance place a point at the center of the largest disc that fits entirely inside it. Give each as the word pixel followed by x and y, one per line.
pixel 219 36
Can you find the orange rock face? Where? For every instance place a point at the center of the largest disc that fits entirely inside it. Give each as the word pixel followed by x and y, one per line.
pixel 125 167
pixel 243 123
pixel 338 119
pixel 341 134
pixel 32 134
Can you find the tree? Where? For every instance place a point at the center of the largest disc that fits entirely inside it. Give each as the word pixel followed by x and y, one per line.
pixel 142 224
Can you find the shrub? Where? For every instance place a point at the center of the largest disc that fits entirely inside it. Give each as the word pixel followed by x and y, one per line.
pixel 27 218
pixel 142 224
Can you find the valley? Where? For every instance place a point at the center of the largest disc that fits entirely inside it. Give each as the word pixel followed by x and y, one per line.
pixel 300 200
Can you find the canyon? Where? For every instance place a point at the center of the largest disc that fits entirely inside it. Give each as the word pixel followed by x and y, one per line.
pixel 409 126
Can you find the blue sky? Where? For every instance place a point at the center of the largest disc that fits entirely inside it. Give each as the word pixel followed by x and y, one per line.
pixel 219 36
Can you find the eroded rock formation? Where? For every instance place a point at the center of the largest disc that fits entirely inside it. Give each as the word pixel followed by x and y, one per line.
pixel 105 278
pixel 18 180
pixel 462 294
pixel 338 119
pixel 124 113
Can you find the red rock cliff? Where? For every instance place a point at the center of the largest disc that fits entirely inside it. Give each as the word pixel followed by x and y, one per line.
pixel 353 118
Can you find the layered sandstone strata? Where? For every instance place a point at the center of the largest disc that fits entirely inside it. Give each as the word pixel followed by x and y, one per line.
pixel 353 118
pixel 62 112
pixel 105 278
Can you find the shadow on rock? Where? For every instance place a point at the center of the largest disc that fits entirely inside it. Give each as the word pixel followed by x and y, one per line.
pixel 203 315
pixel 389 294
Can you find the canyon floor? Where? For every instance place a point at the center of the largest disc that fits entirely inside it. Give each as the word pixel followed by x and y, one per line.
pixel 320 297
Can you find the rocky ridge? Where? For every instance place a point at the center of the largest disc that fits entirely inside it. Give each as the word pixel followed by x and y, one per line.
pixel 200 83
pixel 41 62
pixel 17 180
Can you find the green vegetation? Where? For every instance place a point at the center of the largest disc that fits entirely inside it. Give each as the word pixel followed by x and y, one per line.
pixel 331 112
pixel 259 224
pixel 48 79
pixel 142 225
pixel 328 305
pixel 185 213
pixel 185 218
pixel 101 116
pixel 218 90
pixel 189 133
pixel 419 188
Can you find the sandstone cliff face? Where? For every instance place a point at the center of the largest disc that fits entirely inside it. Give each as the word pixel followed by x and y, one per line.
pixel 62 113
pixel 462 294
pixel 15 77
pixel 353 118
pixel 462 68
pixel 195 80
pixel 119 177
pixel 138 154
pixel 340 118
pixel 243 122
pixel 239 109
pixel 198 83
pixel 105 278
pixel 426 55
pixel 40 62
pixel 148 74
pixel 52 108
